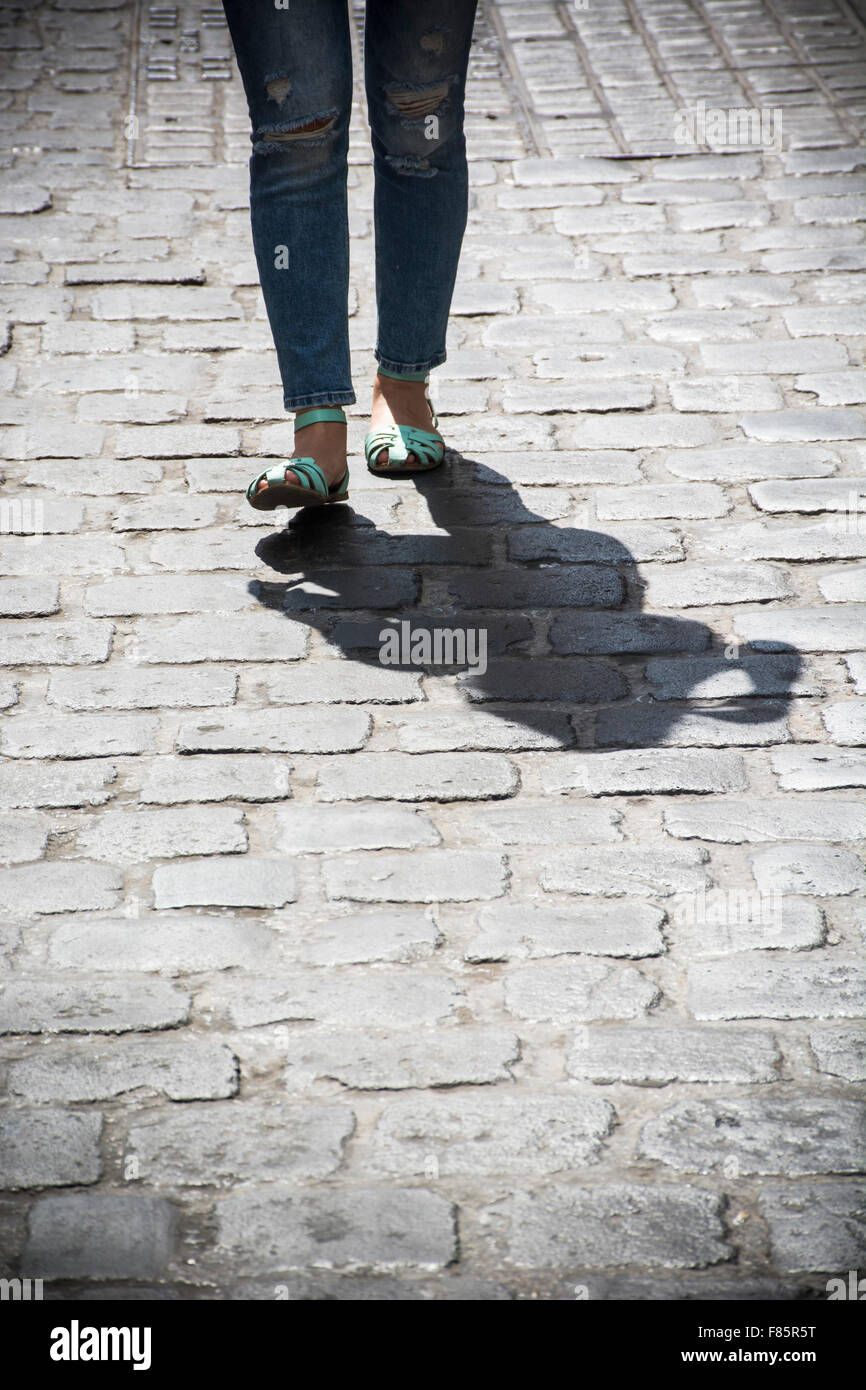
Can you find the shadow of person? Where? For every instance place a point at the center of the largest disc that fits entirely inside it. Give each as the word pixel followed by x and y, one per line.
pixel 540 624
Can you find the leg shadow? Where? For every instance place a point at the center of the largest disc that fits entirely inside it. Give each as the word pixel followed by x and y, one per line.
pixel 571 655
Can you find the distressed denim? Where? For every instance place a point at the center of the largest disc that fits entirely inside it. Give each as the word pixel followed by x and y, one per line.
pixel 296 66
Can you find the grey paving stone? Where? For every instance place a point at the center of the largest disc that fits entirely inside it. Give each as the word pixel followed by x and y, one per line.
pixel 301 730
pixel 487 1134
pixel 235 777
pixel 760 820
pixel 725 394
pixel 656 431
pixel 613 1224
pixel 374 1227
pixel 834 388
pixel 49 1148
pixel 529 173
pixel 417 777
pixel 601 361
pixel 573 991
pixel 22 838
pixel 625 870
pixel 229 882
pixel 608 547
pixel 217 1146
pixel 79 735
pixel 33 599
pixel 645 771
pixel 747 986
pixel 394 1061
pixel 847 320
pixel 538 822
pixel 193 1069
pixel 90 1005
pixel 796 1136
pixel 754 541
pixel 428 876
pixel 388 935
pixel 722 920
pixel 856 664
pixel 472 729
pixel 607 634
pixel 133 689
pixel 514 931
pixel 647 728
pixel 735 291
pixel 127 836
pixel 579 586
pixel 804 355
pixel 714 677
pixel 695 326
pixel 819 768
pixel 173 945
pixel 825 495
pixel 816 869
pixel 79 783
pixel 56 644
pixel 845 721
pixel 741 463
pixel 817 1226
pixel 803 629
pixel 60 886
pixel 699 585
pixel 658 1056
pixel 326 682
pixel 263 636
pixel 840 1051
pixel 324 829
pixel 804 425
pixel 544 398
pixel 100 1235
pixel 663 500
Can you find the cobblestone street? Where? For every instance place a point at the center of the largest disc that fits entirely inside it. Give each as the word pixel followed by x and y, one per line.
pixel 538 978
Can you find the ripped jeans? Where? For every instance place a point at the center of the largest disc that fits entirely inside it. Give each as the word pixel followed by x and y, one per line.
pixel 296 66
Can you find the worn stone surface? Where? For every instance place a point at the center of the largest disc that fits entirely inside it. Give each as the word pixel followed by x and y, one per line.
pixel 422 982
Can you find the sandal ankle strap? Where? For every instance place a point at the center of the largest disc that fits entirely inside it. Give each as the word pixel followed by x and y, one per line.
pixel 313 417
pixel 403 376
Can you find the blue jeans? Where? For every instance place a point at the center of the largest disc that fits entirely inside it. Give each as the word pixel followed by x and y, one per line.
pixel 296 66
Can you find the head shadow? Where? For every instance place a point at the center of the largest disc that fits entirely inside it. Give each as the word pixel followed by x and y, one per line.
pixel 571 656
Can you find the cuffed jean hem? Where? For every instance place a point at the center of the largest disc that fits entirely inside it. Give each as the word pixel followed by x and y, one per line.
pixel 408 367
pixel 320 398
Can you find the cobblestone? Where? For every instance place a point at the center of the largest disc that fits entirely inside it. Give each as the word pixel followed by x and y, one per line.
pixel 421 983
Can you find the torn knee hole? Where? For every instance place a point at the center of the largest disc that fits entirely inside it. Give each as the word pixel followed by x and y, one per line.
pixel 414 105
pixel 304 130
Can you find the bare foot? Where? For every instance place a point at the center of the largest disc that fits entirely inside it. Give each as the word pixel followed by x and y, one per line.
pixel 325 441
pixel 403 402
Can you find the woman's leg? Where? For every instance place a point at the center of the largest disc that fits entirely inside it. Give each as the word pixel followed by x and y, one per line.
pixel 416 56
pixel 296 66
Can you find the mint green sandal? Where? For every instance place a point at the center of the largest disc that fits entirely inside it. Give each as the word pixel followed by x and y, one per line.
pixel 403 440
pixel 312 490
